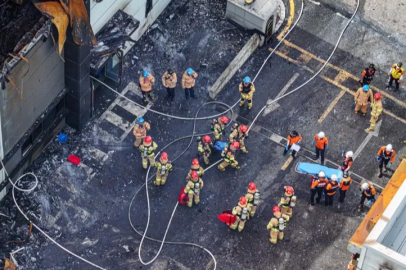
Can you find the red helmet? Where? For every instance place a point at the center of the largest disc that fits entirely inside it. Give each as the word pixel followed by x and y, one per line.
pixel 289 190
pixel 243 201
pixel 224 119
pixel 276 209
pixel 195 161
pixel 206 139
pixel 164 156
pixel 377 96
pixel 236 145
pixel 252 186
pixel 194 175
pixel 148 139
pixel 243 128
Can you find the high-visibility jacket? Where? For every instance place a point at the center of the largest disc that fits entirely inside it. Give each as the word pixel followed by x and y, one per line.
pixel 397 72
pixel 319 183
pixel 141 132
pixel 250 198
pixel 150 152
pixel 377 108
pixel 294 140
pixel 204 147
pixel 237 135
pixel 229 152
pixel 190 186
pixel 345 183
pixel 146 83
pixel 274 222
pixel 370 191
pixel 198 169
pixel 331 188
pixel 362 97
pixel 169 80
pixel 347 163
pixel 217 131
pixel 285 200
pixel 321 143
pixel 188 81
pixel 248 89
pixel 386 154
pixel 163 169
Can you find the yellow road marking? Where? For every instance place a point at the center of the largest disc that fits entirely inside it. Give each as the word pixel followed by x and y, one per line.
pixel 287 162
pixel 304 58
pixel 290 20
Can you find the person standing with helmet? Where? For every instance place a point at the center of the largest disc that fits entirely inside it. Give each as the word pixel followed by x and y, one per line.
pixel 344 186
pixel 241 213
pixel 320 141
pixel 239 134
pixel 317 186
pixel 347 163
pixel 368 192
pixel 147 149
pixel 188 82
pixel 362 98
pixel 228 155
pixel 396 74
pixel 192 189
pixel 204 147
pixel 331 189
pixel 247 90
pixel 146 82
pixel 252 197
pixel 277 225
pixel 288 201
pixel 163 167
pixel 169 81
pixel 367 75
pixel 293 138
pixel 377 108
pixel 140 131
pixel 385 155
pixel 218 127
pixel 195 168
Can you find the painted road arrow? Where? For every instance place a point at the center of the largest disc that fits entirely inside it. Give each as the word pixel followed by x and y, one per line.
pixel 366 140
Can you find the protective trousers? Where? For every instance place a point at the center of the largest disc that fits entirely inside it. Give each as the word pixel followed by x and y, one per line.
pixel 238 222
pixel 170 93
pixel 317 190
pixel 342 195
pixel 145 162
pixel 328 200
pixel 252 208
pixel 190 91
pixel 275 234
pixel 320 152
pixel 160 179
pixel 391 79
pixel 234 164
pixel 192 195
pixel 242 146
pixel 373 121
pixel 144 96
pixel 361 107
pixel 206 156
pixel 138 140
pixel 286 210
pixel 246 97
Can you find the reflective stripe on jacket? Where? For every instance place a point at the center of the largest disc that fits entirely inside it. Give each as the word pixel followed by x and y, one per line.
pixel 377 108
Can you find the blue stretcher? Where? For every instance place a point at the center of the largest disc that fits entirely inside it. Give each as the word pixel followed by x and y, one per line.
pixel 314 169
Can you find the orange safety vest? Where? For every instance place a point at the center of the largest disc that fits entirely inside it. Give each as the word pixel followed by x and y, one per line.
pixel 321 143
pixel 294 140
pixel 331 188
pixel 386 154
pixel 345 183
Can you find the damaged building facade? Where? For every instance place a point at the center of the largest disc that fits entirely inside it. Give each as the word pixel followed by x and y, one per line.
pixel 42 90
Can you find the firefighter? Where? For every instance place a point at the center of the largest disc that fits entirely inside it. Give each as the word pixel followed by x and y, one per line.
pixel 163 167
pixel 377 108
pixel 218 127
pixel 188 82
pixel 362 98
pixel 169 81
pixel 239 134
pixel 193 187
pixel 288 201
pixel 277 225
pixel 293 138
pixel 195 167
pixel 344 186
pixel 317 186
pixel 368 192
pixel 146 82
pixel 228 154
pixel 385 155
pixel 247 90
pixel 367 75
pixel 147 149
pixel 320 141
pixel 204 147
pixel 140 131
pixel 396 74
pixel 241 213
pixel 347 163
pixel 331 189
pixel 252 197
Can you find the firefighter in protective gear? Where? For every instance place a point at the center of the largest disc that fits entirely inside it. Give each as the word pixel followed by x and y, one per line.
pixel 347 163
pixel 204 147
pixel 140 131
pixel 396 74
pixel 195 167
pixel 252 197
pixel 317 185
pixel 147 149
pixel 286 202
pixel 163 167
pixel 362 98
pixel 344 186
pixel 320 141
pixel 367 75
pixel 368 192
pixel 293 138
pixel 377 109
pixel 193 187
pixel 331 189
pixel 238 135
pixel 228 155
pixel 146 82
pixel 241 213
pixel 385 155
pixel 218 127
pixel 247 90
pixel 188 82
pixel 277 225
pixel 169 81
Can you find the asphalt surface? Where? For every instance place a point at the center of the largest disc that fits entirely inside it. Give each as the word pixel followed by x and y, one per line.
pixel 89 214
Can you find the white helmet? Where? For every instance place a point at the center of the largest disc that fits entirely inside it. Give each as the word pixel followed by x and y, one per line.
pixel 321 135
pixel 349 154
pixel 334 177
pixel 364 186
pixel 322 174
pixel 389 148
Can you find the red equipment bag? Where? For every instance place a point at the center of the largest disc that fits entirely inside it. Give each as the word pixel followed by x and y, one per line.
pixel 183 198
pixel 74 159
pixel 227 217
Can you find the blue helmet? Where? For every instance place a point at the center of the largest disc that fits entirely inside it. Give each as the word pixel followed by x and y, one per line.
pixel 247 79
pixel 189 71
pixel 365 87
pixel 141 120
pixel 145 73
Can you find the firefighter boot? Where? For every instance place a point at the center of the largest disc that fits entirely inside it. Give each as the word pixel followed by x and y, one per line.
pixel 249 104
pixel 280 235
pixel 158 180
pixel 235 224
pixel 242 102
pixel 197 198
pixel 151 97
pixel 144 98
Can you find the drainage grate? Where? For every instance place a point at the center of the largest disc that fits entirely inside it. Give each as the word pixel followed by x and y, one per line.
pixel 331 164
pixel 309 154
pixel 221 108
pixel 265 132
pixel 356 178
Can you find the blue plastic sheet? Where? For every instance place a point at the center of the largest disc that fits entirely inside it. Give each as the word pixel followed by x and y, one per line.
pixel 314 169
pixel 219 145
